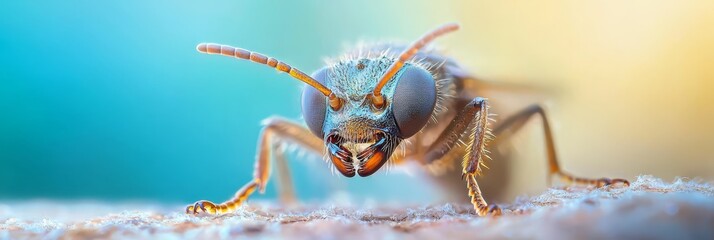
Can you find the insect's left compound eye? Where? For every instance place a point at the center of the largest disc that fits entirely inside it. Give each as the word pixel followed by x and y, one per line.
pixel 414 100
pixel 314 104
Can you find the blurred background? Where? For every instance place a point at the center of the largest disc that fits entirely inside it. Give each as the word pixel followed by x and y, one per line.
pixel 110 100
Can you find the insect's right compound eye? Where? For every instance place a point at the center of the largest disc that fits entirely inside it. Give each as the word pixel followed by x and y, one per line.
pixel 314 104
pixel 414 100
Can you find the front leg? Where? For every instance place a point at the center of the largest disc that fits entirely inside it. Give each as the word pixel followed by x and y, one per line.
pixel 473 119
pixel 275 129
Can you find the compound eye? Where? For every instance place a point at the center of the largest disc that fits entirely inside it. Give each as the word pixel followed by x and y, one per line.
pixel 314 104
pixel 414 100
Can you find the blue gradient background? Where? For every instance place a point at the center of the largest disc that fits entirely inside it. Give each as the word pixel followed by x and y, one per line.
pixel 109 100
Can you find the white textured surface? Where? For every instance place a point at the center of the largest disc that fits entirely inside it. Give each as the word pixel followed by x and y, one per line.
pixel 650 208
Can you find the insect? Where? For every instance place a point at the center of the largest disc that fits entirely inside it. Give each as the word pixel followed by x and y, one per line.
pixel 360 109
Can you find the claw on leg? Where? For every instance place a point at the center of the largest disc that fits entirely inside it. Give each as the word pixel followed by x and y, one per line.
pixel 492 210
pixel 482 208
pixel 601 182
pixel 620 180
pixel 201 206
pixel 209 207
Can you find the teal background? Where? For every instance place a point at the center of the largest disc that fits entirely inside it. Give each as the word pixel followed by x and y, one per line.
pixel 110 100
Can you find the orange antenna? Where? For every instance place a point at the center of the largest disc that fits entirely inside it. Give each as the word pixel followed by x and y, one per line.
pixel 377 98
pixel 225 50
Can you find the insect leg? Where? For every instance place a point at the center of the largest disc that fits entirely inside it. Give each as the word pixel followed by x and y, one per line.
pixel 514 123
pixel 472 120
pixel 275 129
pixel 286 191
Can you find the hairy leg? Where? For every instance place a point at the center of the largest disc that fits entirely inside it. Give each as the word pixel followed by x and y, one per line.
pixel 514 123
pixel 275 129
pixel 472 120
